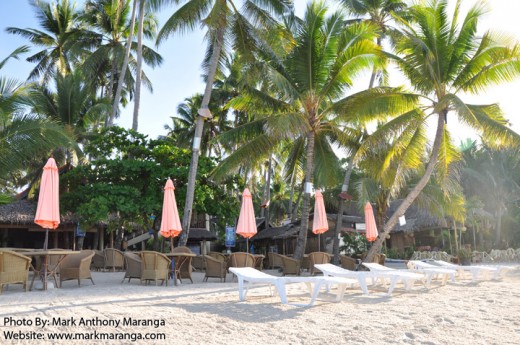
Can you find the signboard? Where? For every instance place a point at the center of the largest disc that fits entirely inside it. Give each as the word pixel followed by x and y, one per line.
pixel 230 236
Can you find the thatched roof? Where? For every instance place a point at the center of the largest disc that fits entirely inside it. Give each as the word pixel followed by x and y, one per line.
pixel 22 212
pixel 416 219
pixel 201 235
pixel 281 232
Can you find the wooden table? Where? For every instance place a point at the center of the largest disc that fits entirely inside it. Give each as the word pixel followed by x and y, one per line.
pixel 180 261
pixel 44 272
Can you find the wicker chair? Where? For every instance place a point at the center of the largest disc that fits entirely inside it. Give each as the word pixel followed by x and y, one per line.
pixel 348 263
pixel 133 264
pixel 317 258
pixel 77 266
pixel 183 268
pixel 241 259
pixel 197 263
pixel 215 268
pixel 114 259
pixel 290 266
pixel 275 260
pixel 156 266
pixel 14 269
pixel 98 261
pixel 380 259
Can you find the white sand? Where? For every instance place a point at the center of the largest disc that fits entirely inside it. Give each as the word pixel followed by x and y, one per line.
pixel 486 312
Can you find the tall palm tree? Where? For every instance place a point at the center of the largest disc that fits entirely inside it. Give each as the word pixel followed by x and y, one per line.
pixel 64 40
pixel 443 58
pixel 226 26
pixel 309 106
pixel 102 67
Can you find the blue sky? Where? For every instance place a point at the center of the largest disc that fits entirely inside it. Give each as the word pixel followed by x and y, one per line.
pixel 180 75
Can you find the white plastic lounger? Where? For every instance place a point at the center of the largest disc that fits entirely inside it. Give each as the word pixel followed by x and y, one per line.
pixel 431 271
pixel 476 271
pixel 362 276
pixel 406 277
pixel 254 276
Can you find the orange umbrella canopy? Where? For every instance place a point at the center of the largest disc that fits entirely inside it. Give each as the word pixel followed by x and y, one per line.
pixel 170 221
pixel 48 209
pixel 320 224
pixel 246 226
pixel 370 223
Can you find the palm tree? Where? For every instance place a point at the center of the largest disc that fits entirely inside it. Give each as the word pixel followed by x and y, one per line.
pixel 225 25
pixel 102 67
pixel 63 42
pixel 442 58
pixel 309 112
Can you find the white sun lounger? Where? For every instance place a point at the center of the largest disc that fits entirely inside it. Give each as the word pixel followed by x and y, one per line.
pixel 253 276
pixel 431 271
pixel 362 276
pixel 476 271
pixel 406 277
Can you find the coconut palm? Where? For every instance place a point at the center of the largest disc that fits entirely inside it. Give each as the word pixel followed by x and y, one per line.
pixel 64 41
pixel 226 26
pixel 102 67
pixel 309 110
pixel 441 59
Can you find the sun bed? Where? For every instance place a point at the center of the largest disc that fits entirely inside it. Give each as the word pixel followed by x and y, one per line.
pixel 254 276
pixel 406 277
pixel 432 271
pixel 364 276
pixel 476 271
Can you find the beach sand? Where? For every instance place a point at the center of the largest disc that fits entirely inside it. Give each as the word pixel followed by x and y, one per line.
pixel 485 312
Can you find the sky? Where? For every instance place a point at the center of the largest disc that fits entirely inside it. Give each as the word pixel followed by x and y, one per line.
pixel 179 77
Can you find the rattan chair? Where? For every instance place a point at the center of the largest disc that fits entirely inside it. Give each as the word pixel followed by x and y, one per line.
pixel 98 261
pixel 183 268
pixel 290 266
pixel 77 266
pixel 156 266
pixel 241 259
pixel 133 264
pixel 348 263
pixel 317 258
pixel 215 268
pixel 275 260
pixel 14 269
pixel 197 263
pixel 114 259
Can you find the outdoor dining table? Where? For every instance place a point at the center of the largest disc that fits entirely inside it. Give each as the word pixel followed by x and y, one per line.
pixel 179 261
pixel 44 272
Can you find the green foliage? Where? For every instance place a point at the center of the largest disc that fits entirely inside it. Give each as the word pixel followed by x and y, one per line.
pixel 126 179
pixel 355 244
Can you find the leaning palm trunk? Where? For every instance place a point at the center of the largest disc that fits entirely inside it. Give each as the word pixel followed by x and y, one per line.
pixel 137 100
pixel 339 217
pixel 309 171
pixel 376 247
pixel 215 56
pixel 117 97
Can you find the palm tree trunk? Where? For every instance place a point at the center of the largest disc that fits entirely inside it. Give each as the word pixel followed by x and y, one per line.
pixel 304 224
pixel 117 97
pixel 498 238
pixel 267 193
pixel 414 193
pixel 203 112
pixel 455 235
pixel 341 209
pixel 137 96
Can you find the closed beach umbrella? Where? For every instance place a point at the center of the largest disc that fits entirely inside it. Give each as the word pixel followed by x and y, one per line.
pixel 246 226
pixel 370 223
pixel 319 224
pixel 48 209
pixel 170 221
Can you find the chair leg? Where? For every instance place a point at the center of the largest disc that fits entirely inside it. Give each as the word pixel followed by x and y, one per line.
pixel 92 280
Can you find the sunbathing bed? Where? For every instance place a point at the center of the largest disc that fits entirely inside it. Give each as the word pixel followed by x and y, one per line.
pixel 248 275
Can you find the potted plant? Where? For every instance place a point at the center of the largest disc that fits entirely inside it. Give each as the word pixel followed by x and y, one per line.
pixel 465 255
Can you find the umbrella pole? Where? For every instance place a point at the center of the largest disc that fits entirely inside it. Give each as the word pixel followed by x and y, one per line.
pixel 46 239
pixel 171 244
pixel 247 245
pixel 319 241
